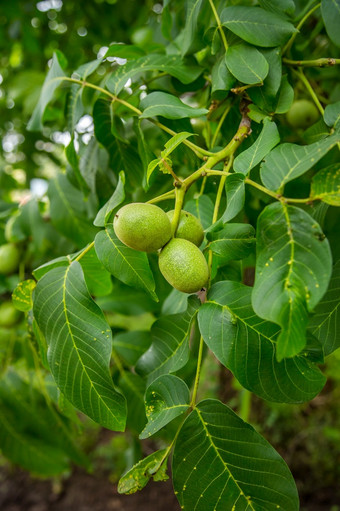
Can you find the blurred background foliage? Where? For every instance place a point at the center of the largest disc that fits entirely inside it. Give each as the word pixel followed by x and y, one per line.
pixel 308 436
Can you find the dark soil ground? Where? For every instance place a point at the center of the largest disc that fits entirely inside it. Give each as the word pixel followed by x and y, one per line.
pixel 84 492
pixel 80 492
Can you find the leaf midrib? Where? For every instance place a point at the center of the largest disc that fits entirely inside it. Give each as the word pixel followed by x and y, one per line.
pixel 75 346
pixel 249 503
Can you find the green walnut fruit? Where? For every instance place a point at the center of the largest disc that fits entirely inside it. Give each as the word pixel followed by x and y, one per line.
pixel 144 227
pixel 189 227
pixel 9 315
pixel 9 258
pixel 183 265
pixel 302 114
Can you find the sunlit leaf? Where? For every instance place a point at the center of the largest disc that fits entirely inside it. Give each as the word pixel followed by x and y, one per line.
pixel 171 64
pixel 168 106
pixel 52 81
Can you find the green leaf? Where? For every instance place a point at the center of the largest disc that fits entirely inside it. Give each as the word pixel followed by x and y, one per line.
pixel 170 107
pixel 266 96
pixel 124 51
pixel 170 146
pixel 52 81
pixel 128 265
pixel 165 399
pixel 97 279
pixel 268 138
pixel 288 161
pixel 131 345
pixel 293 268
pixel 171 64
pixel 257 26
pixel 133 388
pixel 332 114
pixel 326 185
pixel 22 295
pixel 279 6
pixel 72 158
pixel 32 434
pixel 316 132
pixel 285 96
pixel 193 8
pixel 117 198
pixel 325 323
pixel 235 192
pixel 144 151
pixel 203 208
pixel 75 107
pixel 68 211
pixel 153 465
pixel 235 466
pixel 233 242
pixel 330 10
pixel 54 263
pixel 246 63
pixel 246 345
pixel 79 345
pixel 221 79
pixel 169 350
pixel 85 70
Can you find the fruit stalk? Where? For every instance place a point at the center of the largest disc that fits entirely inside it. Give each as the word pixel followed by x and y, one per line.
pixel 179 194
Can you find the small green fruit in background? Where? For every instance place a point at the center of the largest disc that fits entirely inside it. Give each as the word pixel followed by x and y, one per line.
pixel 189 227
pixel 183 265
pixel 302 114
pixel 9 258
pixel 9 315
pixel 144 227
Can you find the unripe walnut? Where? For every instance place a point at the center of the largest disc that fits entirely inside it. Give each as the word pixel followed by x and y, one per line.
pixel 143 227
pixel 183 265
